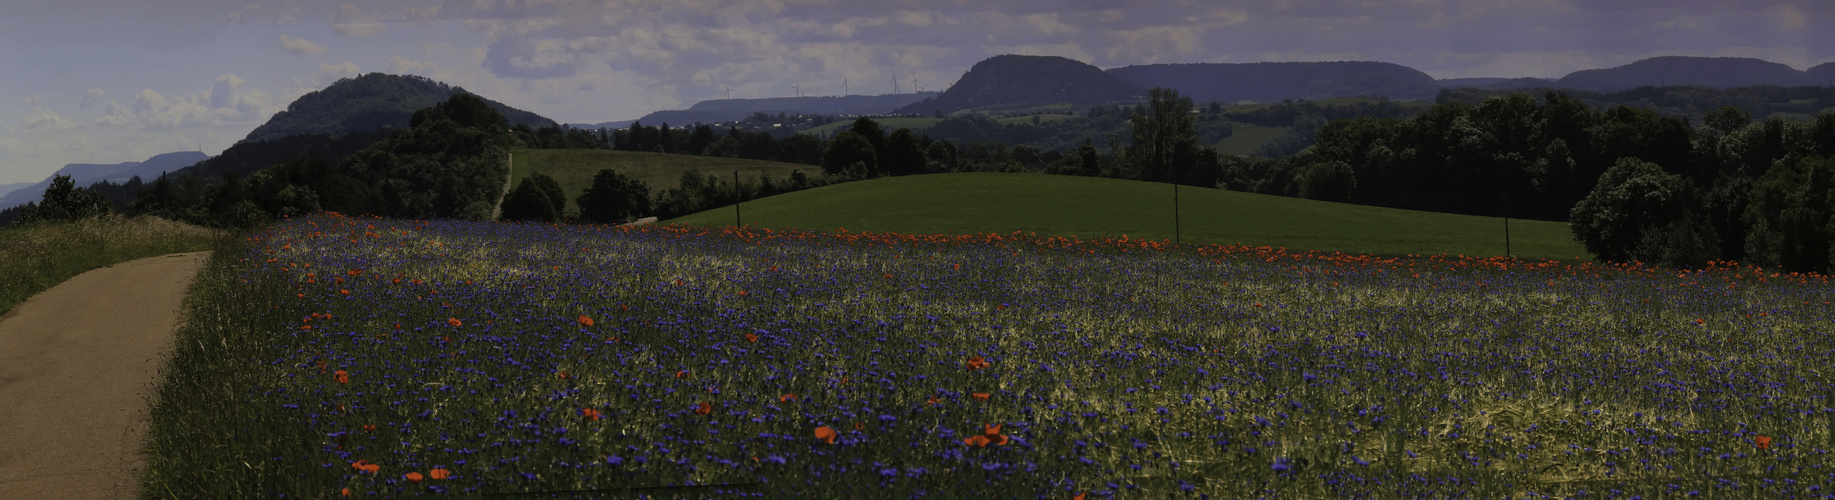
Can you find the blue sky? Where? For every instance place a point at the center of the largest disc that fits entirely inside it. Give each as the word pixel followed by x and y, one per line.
pixel 120 80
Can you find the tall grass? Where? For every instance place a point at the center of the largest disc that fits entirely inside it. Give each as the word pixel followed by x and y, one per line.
pixel 37 257
pixel 205 440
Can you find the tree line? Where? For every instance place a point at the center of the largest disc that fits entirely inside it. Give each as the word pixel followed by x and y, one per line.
pixel 1633 185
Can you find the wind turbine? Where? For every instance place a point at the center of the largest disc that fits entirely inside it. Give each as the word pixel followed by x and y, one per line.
pixel 798 88
pixel 895 82
pixel 729 91
pixel 843 86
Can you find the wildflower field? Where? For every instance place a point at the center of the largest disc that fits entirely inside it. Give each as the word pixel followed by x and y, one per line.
pixel 339 356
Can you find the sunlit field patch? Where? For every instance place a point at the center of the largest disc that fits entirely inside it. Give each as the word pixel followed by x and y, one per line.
pixel 409 357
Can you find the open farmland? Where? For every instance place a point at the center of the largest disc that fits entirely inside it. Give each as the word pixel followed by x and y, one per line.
pixel 400 358
pixel 1090 207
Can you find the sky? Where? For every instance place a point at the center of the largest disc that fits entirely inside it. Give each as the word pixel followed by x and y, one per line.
pixel 110 81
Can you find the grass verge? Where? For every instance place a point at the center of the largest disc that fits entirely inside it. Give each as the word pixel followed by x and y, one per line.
pixel 38 257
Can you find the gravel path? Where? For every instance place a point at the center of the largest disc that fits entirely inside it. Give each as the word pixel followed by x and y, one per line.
pixel 78 367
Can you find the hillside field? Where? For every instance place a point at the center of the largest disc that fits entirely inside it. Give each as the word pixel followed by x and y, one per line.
pixel 1246 137
pixel 574 169
pixel 1096 207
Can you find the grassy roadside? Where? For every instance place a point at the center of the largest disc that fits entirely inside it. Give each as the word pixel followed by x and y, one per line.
pixel 201 427
pixel 35 258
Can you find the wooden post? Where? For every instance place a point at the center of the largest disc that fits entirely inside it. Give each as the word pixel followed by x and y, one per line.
pixel 1175 214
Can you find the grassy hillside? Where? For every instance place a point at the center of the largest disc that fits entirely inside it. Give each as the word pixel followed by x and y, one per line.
pixel 574 168
pixel 1095 207
pixel 1247 137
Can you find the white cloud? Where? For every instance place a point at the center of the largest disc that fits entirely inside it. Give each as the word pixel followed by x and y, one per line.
pixel 300 46
pixel 1146 45
pixel 43 119
pixel 350 22
pixel 400 66
pixel 1048 24
pixel 331 73
pixel 92 97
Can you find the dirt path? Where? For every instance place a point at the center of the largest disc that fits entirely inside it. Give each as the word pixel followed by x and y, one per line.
pixel 509 163
pixel 78 364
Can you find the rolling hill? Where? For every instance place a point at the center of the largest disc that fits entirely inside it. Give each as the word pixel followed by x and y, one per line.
pixel 370 102
pixel 1020 81
pixel 1096 207
pixel 1275 81
pixel 574 169
pixel 1716 72
pixel 86 174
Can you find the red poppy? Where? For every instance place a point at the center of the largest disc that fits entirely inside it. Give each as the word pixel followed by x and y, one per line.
pixel 454 322
pixel 369 428
pixel 439 473
pixel 980 396
pixel 704 409
pixel 934 400
pixel 976 441
pixel 751 337
pixel 345 491
pixel 562 375
pixel 992 432
pixel 681 374
pixel 977 363
pixel 585 321
pixel 342 376
pixel 825 434
pixel 589 413
pixel 1079 496
pixel 786 398
pixel 860 426
pixel 1763 442
pixel 742 293
pixel 413 477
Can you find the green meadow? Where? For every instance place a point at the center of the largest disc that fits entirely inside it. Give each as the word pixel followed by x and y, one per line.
pixel 1096 207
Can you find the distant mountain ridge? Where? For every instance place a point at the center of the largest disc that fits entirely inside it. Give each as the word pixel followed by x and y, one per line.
pixel 729 110
pixel 1014 80
pixel 1276 81
pixel 87 173
pixel 1497 83
pixel 1716 72
pixel 369 102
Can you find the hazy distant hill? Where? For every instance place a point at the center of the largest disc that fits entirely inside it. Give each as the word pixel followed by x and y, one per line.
pixel 86 173
pixel 596 126
pixel 1497 83
pixel 1276 81
pixel 1717 72
pixel 8 188
pixel 1821 74
pixel 1017 81
pixel 729 110
pixel 370 102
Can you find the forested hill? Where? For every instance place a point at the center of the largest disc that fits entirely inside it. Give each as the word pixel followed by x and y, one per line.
pixel 1716 72
pixel 1019 81
pixel 1275 81
pixel 368 103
